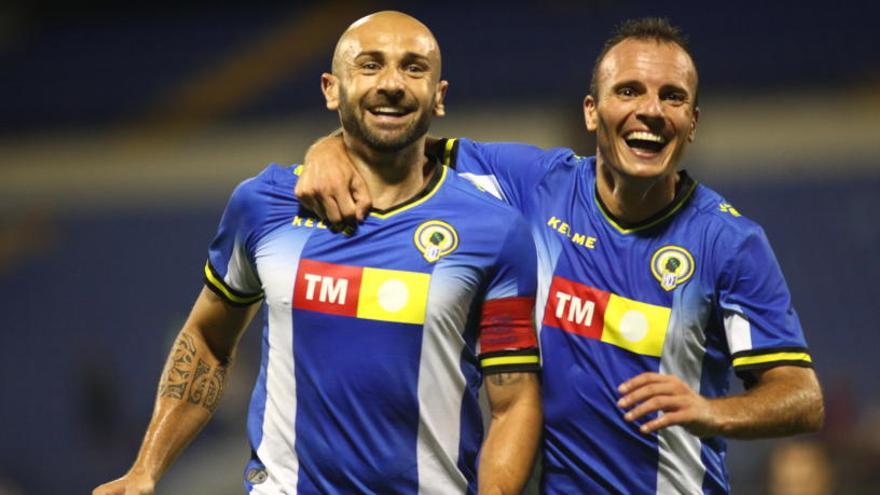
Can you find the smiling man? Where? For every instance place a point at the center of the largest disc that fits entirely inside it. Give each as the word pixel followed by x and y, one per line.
pixel 651 287
pixel 374 346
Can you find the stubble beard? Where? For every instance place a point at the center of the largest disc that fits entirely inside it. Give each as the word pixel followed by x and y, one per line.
pixel 357 128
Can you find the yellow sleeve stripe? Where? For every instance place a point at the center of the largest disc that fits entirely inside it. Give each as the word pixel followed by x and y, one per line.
pixel 447 152
pixel 498 361
pixel 219 285
pixel 770 358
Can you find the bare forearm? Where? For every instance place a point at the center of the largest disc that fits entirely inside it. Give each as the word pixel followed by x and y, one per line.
pixel 771 409
pixel 189 391
pixel 509 448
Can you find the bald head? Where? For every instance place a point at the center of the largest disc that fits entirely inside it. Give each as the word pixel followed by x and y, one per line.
pixel 386 28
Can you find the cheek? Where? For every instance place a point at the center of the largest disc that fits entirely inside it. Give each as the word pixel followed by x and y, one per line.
pixel 609 121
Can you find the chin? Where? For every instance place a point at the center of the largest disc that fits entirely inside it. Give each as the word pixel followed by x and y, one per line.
pixel 389 142
pixel 644 170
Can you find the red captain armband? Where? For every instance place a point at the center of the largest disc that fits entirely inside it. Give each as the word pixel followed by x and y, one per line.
pixel 507 325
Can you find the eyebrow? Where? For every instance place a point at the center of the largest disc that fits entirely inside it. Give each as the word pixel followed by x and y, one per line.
pixel 407 57
pixel 676 88
pixel 371 54
pixel 663 88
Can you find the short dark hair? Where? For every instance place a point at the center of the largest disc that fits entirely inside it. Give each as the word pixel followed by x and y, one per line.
pixel 647 28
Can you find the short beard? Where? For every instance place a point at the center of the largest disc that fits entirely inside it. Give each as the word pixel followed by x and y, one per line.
pixel 358 129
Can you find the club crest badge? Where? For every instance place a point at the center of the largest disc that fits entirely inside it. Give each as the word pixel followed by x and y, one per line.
pixel 256 475
pixel 672 266
pixel 435 239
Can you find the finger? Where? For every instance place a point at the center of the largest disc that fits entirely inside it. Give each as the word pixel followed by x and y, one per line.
pixel 663 421
pixel 318 210
pixel 361 196
pixel 645 392
pixel 347 208
pixel 639 380
pixel 332 215
pixel 655 404
pixel 305 195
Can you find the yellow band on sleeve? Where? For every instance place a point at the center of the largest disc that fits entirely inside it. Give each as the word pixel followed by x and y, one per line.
pixel 219 285
pixel 772 357
pixel 503 360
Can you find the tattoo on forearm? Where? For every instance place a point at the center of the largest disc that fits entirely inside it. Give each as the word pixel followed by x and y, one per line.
pixel 500 379
pixel 215 388
pixel 197 390
pixel 185 371
pixel 178 368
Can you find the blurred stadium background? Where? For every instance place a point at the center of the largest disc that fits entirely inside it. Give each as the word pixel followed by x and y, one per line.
pixel 125 125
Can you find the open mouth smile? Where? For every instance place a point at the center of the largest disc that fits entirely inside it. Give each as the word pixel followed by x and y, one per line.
pixel 645 142
pixel 389 111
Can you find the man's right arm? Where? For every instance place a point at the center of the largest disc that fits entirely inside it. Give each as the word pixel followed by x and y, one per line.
pixel 330 186
pixel 189 389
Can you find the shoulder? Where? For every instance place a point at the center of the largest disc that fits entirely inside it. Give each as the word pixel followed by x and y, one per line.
pixel 469 196
pixel 270 179
pixel 730 234
pixel 274 175
pixel 550 157
pixel 254 199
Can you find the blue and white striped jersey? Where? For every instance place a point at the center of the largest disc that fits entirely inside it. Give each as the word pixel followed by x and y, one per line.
pixel 374 344
pixel 693 291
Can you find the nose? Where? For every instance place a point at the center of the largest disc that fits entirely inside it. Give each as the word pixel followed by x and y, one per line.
pixel 650 106
pixel 650 111
pixel 391 83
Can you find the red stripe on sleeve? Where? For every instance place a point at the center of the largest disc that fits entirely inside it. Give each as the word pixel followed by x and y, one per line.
pixel 507 324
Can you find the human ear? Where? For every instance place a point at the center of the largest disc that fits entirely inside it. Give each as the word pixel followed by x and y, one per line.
pixel 692 132
pixel 439 99
pixel 590 117
pixel 330 88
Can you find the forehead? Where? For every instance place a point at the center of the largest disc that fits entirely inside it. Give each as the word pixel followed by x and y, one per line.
pixel 650 62
pixel 390 39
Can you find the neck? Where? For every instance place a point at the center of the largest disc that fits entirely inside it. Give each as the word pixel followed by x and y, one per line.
pixel 391 177
pixel 634 199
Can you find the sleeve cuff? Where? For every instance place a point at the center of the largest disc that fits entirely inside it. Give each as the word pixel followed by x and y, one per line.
pixel 523 360
pixel 231 296
pixel 744 362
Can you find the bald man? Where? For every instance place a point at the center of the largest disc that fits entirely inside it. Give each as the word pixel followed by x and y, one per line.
pixel 375 344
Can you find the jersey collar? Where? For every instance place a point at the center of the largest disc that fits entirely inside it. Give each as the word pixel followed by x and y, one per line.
pixel 437 179
pixel 683 192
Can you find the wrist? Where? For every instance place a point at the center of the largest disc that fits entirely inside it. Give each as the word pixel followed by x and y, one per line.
pixel 719 421
pixel 143 475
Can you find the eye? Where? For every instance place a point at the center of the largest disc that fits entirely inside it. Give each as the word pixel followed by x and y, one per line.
pixel 414 69
pixel 626 91
pixel 370 66
pixel 676 97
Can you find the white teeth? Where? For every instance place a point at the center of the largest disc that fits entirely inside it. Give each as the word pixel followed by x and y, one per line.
pixel 388 110
pixel 646 136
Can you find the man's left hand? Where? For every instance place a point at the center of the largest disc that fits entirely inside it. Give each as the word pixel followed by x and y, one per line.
pixel 677 403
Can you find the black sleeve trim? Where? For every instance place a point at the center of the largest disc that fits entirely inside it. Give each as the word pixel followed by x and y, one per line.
pixel 512 368
pixel 745 374
pixel 518 360
pixel 233 297
pixel 770 350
